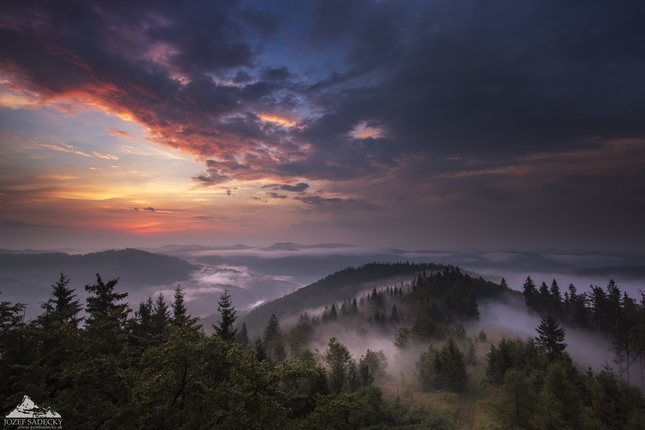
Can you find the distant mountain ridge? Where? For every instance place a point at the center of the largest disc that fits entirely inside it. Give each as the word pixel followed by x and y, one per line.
pixel 614 272
pixel 134 268
pixel 290 246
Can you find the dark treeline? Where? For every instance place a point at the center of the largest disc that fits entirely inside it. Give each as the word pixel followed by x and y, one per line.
pixel 155 368
pixel 608 311
pixel 342 284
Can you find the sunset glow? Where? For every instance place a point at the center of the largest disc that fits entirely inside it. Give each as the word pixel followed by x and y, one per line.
pixel 280 121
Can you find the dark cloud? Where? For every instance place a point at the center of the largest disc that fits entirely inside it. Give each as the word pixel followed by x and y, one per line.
pixel 19 224
pixel 276 74
pixel 333 204
pixel 433 80
pixel 298 188
pixel 204 218
pixel 273 195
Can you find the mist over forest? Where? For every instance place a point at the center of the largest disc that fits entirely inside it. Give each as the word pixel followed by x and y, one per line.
pixel 417 326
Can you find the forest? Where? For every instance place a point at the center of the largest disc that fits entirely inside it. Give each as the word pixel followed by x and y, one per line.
pixel 408 355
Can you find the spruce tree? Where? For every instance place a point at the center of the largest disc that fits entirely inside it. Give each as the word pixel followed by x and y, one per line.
pixel 179 311
pixel 103 301
pixel 225 329
pixel 243 336
pixel 337 358
pixel 273 340
pixel 394 315
pixel 530 294
pixel 62 306
pixel 551 337
pixel 160 314
pixel 450 367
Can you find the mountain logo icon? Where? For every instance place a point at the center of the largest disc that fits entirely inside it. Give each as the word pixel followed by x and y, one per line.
pixel 28 409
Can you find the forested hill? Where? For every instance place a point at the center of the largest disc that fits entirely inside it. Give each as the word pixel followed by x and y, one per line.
pixel 341 285
pixel 132 266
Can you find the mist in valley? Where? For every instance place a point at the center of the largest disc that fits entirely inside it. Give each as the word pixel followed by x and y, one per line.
pixel 254 276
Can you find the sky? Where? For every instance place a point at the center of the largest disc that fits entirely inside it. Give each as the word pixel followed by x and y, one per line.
pixel 446 124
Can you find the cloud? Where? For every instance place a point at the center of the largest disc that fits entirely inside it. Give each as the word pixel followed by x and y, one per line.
pixel 335 203
pixel 119 133
pixel 64 147
pixel 362 89
pixel 19 224
pixel 105 156
pixel 273 195
pixel 298 188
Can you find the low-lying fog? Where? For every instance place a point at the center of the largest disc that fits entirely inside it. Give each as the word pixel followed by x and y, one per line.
pixel 255 275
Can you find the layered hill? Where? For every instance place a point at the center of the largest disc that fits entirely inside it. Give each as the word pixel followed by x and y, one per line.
pixel 343 284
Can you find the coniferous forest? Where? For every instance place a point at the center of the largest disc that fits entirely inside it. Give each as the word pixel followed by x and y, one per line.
pixel 103 364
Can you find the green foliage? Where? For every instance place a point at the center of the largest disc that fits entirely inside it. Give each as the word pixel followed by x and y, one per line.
pixel 374 364
pixel 513 354
pixel 360 409
pixel 337 358
pixel 443 369
pixel 155 368
pixel 425 369
pixel 450 368
pixel 537 392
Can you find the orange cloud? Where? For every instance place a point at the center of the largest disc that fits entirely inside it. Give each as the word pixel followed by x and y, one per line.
pixel 105 156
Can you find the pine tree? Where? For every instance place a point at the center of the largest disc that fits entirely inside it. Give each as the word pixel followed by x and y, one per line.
pixel 61 306
pixel 225 308
pixel 394 315
pixel 243 336
pixel 105 326
pixel 450 367
pixel 543 299
pixel 551 337
pixel 333 314
pixel 179 311
pixel 103 301
pixel 273 339
pixel 260 350
pixel 530 294
pixel 337 358
pixel 11 318
pixel 556 298
pixel 141 325
pixel 160 315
